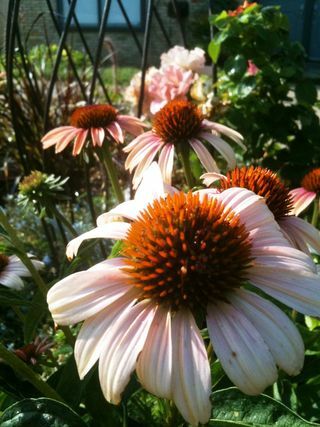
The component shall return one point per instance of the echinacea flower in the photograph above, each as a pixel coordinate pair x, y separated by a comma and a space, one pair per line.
278, 198
12, 269
179, 56
303, 196
187, 257
178, 123
96, 121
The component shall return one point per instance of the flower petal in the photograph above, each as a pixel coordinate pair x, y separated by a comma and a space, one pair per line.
151, 186
191, 371
11, 280
114, 230
116, 132
243, 353
85, 293
301, 233
204, 155
230, 133
279, 333
223, 147
295, 288
79, 142
211, 177
91, 338
63, 142
154, 367
166, 162
122, 346
97, 136
302, 198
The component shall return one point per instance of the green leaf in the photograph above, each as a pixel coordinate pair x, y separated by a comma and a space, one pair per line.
306, 92
214, 50
233, 408
35, 313
11, 297
312, 322
40, 413
116, 249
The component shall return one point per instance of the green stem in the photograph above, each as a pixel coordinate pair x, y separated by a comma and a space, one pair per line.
18, 313
315, 214
23, 369
185, 160
63, 220
105, 157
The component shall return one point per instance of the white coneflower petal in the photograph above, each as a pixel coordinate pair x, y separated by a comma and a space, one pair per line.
85, 293
204, 155
191, 380
116, 230
301, 232
279, 333
155, 364
242, 352
91, 339
123, 344
166, 157
302, 198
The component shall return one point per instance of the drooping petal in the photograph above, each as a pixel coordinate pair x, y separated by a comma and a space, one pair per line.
279, 333
191, 370
116, 132
295, 288
166, 162
114, 230
154, 367
204, 155
131, 124
56, 135
11, 280
143, 166
243, 353
139, 152
91, 338
211, 177
97, 136
122, 346
79, 142
151, 186
141, 139
223, 147
16, 266
302, 198
230, 133
85, 293
63, 142
301, 232
129, 210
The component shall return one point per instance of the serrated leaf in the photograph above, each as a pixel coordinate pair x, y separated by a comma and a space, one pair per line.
233, 408
40, 413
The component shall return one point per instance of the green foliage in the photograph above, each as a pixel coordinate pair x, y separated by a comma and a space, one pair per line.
272, 105
40, 413
233, 408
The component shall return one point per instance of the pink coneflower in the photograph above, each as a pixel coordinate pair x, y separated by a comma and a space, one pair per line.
96, 121
278, 198
303, 196
12, 269
178, 123
186, 257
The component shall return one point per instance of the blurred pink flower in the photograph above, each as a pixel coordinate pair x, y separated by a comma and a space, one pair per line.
170, 82
179, 56
303, 196
252, 69
95, 120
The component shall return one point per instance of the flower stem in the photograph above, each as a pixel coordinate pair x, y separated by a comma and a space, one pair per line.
23, 369
63, 220
106, 159
185, 160
315, 214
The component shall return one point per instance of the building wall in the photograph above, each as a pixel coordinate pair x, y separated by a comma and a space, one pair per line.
126, 50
